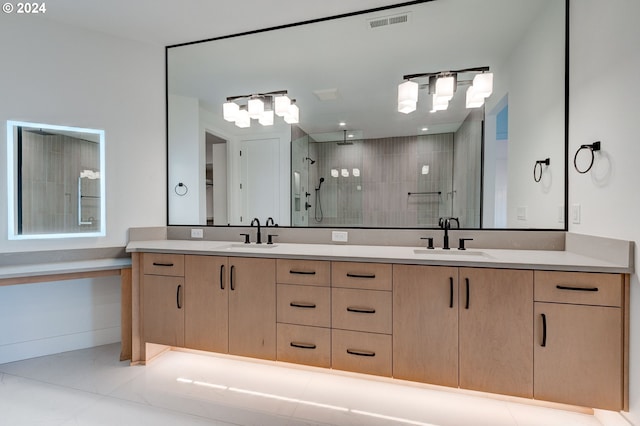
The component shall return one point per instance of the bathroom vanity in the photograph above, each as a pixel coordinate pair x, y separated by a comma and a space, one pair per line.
542, 324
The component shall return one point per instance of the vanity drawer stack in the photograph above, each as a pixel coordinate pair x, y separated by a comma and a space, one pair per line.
304, 312
361, 317
579, 338
163, 290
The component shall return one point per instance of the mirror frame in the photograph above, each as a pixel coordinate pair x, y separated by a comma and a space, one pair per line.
565, 226
12, 233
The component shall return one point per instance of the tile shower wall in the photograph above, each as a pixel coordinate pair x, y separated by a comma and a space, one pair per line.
466, 163
50, 184
390, 168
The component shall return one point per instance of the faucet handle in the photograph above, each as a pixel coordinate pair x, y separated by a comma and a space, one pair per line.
429, 241
462, 240
269, 238
246, 238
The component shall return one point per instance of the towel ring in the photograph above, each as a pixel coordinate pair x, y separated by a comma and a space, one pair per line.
538, 176
591, 147
181, 189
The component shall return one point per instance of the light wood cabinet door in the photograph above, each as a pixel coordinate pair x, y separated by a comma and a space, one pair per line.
578, 355
496, 331
206, 303
252, 307
425, 324
163, 310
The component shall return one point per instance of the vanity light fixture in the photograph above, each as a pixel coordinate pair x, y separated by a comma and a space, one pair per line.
261, 107
442, 86
344, 172
335, 173
356, 172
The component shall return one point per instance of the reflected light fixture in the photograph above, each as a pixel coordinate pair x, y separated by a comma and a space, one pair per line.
344, 172
356, 172
442, 86
335, 173
261, 107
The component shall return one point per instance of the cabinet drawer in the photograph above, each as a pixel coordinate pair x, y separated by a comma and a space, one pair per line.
303, 272
305, 305
367, 353
582, 288
371, 276
163, 264
304, 345
361, 310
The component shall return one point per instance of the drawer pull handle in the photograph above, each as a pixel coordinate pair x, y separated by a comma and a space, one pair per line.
564, 287
303, 345
231, 274
359, 352
178, 296
466, 283
221, 277
451, 292
354, 275
361, 310
162, 264
303, 305
544, 330
293, 271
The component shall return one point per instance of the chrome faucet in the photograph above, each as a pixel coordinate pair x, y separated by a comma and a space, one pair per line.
445, 223
256, 221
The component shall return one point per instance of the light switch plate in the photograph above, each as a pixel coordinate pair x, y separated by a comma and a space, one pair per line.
339, 236
575, 213
197, 233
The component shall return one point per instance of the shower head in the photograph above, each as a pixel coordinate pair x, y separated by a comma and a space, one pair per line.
320, 184
309, 160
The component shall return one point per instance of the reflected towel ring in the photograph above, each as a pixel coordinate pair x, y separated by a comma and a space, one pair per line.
181, 189
592, 147
537, 177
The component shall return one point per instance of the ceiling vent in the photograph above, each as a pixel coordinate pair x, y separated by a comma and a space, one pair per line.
385, 21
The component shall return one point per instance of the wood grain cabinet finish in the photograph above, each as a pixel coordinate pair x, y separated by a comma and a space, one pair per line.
496, 330
425, 324
163, 310
367, 276
207, 303
368, 353
303, 272
304, 345
579, 340
304, 305
361, 310
163, 264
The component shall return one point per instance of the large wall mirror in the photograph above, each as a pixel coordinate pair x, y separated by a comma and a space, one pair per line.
55, 178
349, 156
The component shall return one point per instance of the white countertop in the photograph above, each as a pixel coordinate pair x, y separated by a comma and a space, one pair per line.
32, 270
490, 258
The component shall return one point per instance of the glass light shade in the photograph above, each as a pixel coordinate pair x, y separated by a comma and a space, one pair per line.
256, 108
266, 119
425, 169
293, 115
335, 173
282, 105
243, 120
474, 100
356, 172
439, 104
344, 172
445, 87
407, 96
230, 111
483, 84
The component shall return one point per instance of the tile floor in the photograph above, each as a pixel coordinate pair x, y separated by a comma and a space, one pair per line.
91, 387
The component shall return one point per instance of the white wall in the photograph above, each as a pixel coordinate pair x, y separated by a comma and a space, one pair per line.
604, 93
63, 75
536, 122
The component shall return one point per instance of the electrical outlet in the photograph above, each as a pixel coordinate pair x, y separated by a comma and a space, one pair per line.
575, 213
197, 233
339, 236
560, 214
521, 213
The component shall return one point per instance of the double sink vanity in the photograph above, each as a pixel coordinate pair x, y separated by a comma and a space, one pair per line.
550, 325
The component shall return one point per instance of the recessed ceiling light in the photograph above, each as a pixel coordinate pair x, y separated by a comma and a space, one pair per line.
424, 129
350, 136
342, 123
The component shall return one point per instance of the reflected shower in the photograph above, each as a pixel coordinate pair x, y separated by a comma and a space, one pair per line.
311, 161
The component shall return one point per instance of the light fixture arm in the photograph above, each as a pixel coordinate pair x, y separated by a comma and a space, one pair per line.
442, 73
253, 95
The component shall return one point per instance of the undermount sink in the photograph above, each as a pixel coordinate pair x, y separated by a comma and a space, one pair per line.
251, 246
452, 252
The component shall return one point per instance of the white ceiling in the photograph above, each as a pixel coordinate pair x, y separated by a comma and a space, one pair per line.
166, 22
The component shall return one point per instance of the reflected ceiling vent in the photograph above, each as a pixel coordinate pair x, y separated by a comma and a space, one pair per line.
326, 94
385, 21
